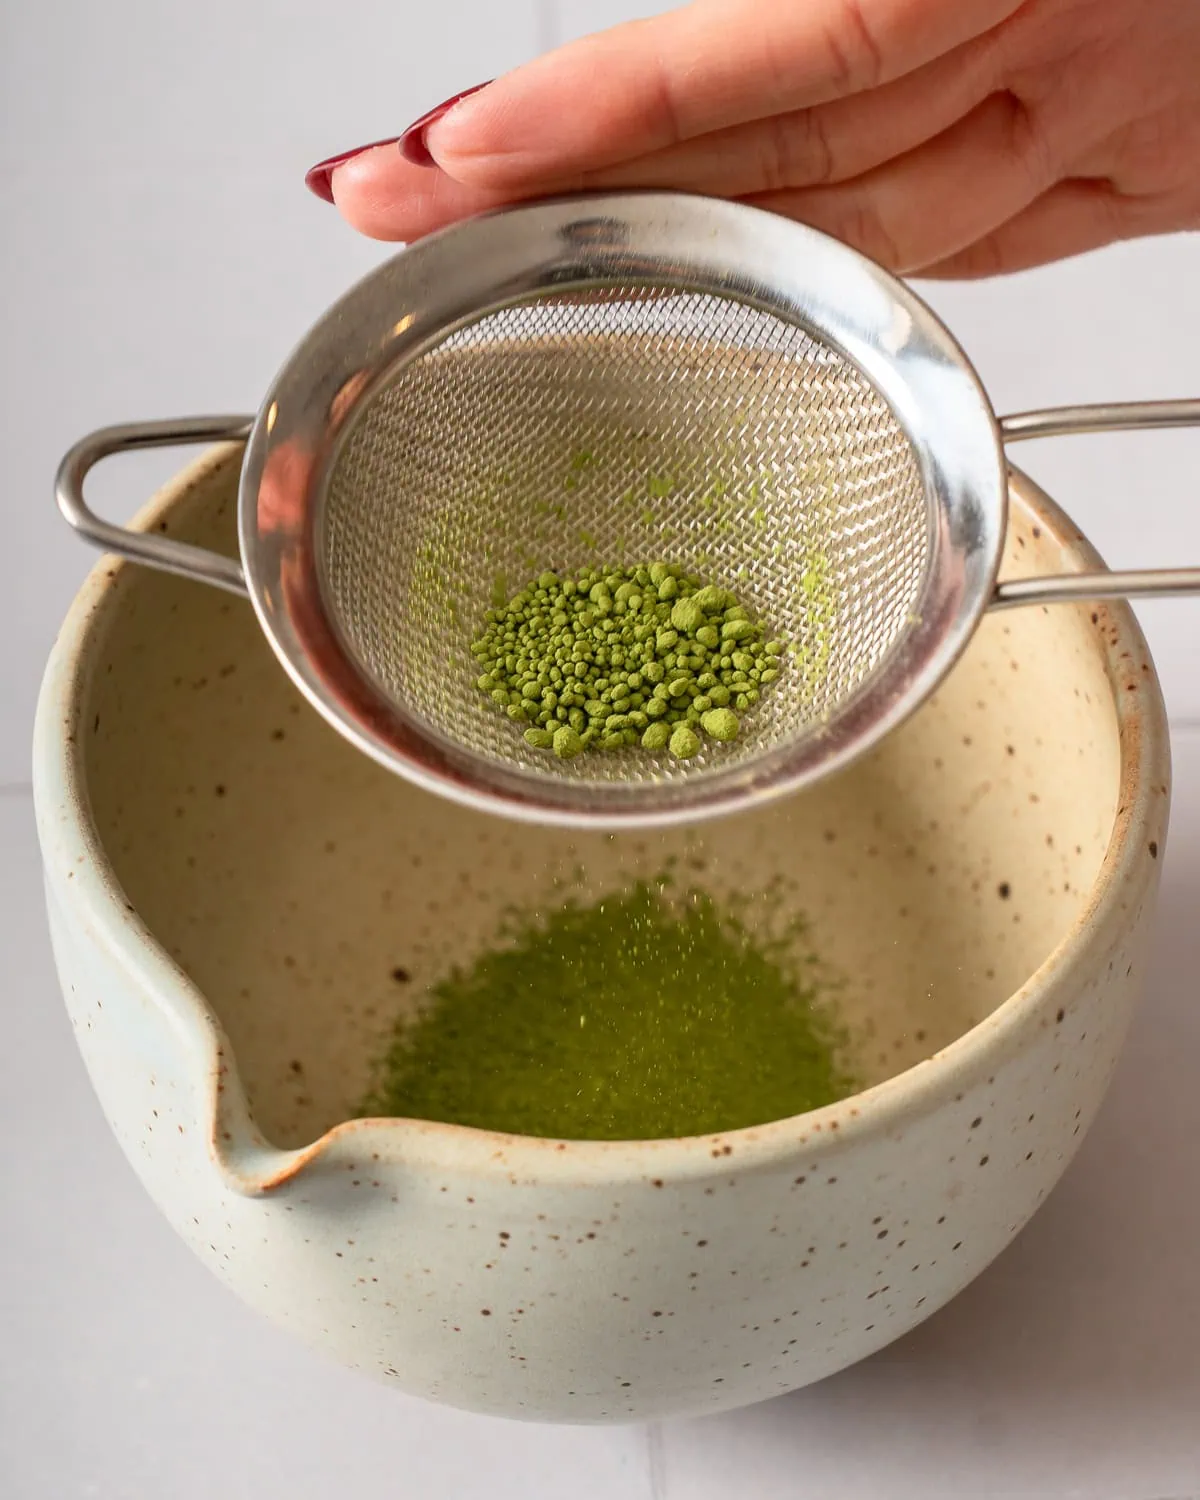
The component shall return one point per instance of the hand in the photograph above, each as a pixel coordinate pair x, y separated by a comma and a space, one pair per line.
940, 137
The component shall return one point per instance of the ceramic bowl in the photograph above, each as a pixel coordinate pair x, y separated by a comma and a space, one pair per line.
241, 905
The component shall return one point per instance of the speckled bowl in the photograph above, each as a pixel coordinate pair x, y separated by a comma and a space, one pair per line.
240, 904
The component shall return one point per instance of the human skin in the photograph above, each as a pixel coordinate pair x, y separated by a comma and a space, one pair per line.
951, 138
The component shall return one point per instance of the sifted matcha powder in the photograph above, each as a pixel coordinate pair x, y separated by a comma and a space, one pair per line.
642, 1015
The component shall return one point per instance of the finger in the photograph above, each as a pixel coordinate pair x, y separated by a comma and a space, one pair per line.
827, 143
1154, 153
651, 84
935, 201
384, 196
1071, 219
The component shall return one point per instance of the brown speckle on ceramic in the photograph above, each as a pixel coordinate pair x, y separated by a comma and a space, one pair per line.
254, 908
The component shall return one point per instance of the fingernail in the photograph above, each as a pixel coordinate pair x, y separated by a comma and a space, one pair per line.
412, 142
319, 179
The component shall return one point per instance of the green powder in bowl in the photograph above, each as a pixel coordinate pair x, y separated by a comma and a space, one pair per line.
641, 1015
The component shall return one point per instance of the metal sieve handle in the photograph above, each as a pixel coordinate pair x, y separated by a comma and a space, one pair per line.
1065, 421
147, 547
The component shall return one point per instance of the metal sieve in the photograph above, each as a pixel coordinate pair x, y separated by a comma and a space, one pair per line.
627, 379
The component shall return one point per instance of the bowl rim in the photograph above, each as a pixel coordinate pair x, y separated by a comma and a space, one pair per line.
72, 849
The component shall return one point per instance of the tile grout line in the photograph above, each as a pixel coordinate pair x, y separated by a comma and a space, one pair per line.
656, 1460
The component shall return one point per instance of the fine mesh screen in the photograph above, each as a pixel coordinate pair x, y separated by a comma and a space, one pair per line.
626, 425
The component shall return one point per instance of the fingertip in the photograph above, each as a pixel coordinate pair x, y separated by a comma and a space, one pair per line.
550, 121
412, 143
385, 197
366, 193
478, 141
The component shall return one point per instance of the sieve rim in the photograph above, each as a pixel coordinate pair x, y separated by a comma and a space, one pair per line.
677, 241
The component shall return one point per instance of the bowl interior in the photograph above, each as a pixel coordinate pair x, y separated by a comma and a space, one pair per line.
313, 897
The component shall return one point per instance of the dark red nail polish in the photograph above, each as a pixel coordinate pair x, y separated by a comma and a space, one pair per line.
412, 142
319, 179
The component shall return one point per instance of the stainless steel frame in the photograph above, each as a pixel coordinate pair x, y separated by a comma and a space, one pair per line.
499, 260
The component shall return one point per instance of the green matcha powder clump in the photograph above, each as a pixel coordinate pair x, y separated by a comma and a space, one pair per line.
639, 1016
618, 657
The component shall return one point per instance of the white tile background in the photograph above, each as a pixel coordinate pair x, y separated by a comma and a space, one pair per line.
158, 256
